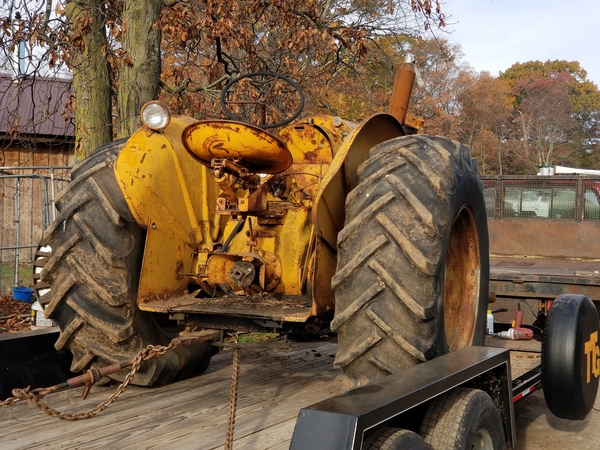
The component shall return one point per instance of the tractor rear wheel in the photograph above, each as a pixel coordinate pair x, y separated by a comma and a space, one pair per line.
90, 259
413, 265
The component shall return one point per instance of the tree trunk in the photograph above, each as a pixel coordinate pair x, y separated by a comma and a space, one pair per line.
141, 65
91, 81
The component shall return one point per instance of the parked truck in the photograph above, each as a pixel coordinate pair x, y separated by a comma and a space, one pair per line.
543, 234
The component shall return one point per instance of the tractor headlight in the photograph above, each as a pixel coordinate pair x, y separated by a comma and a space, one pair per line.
155, 115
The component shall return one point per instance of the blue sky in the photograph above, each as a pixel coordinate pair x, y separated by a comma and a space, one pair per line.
495, 34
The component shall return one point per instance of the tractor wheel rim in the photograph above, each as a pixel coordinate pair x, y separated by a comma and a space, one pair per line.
461, 285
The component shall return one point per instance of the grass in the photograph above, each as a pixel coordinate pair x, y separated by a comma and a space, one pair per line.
7, 275
256, 337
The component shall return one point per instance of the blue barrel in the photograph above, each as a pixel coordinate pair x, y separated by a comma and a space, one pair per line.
23, 294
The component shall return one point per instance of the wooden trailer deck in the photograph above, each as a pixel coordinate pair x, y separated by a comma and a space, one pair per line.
543, 278
273, 387
192, 414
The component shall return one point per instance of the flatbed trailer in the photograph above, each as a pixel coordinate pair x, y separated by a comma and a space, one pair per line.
418, 399
272, 390
342, 422
543, 278
543, 234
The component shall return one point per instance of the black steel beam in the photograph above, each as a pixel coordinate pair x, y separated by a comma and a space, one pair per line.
339, 423
30, 359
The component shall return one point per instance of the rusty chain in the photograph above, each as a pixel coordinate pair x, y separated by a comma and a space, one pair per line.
151, 351
233, 393
35, 395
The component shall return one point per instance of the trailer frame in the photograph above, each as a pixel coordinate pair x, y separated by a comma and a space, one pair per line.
341, 422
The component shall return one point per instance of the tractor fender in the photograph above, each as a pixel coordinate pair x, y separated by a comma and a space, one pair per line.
162, 181
171, 195
328, 209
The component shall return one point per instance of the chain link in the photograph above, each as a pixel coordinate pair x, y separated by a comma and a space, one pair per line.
233, 393
151, 351
35, 396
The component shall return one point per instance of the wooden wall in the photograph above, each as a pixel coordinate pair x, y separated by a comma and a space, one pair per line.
22, 204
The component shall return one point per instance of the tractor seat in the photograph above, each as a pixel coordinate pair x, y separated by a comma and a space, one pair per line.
250, 146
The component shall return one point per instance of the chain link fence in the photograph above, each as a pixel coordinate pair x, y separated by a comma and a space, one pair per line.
573, 198
27, 196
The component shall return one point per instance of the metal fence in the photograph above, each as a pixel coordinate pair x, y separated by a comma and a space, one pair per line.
572, 198
27, 196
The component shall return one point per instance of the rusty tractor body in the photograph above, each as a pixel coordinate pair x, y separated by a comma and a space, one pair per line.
190, 226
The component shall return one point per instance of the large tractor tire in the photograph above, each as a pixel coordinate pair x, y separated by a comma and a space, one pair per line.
413, 261
91, 259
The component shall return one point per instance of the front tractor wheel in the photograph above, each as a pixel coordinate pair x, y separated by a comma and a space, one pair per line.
91, 259
412, 273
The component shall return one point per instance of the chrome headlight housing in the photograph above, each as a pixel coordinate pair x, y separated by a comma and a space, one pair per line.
155, 115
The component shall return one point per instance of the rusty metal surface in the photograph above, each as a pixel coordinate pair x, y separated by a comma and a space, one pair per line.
257, 150
307, 144
544, 238
461, 286
401, 92
255, 307
544, 277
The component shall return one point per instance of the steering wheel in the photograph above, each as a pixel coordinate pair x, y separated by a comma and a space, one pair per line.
264, 99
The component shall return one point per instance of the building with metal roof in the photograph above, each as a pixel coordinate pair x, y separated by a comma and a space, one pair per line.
36, 108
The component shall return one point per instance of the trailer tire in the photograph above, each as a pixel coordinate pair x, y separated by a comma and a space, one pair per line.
570, 367
90, 260
394, 439
463, 419
413, 265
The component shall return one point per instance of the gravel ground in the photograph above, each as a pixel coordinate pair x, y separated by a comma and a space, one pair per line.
15, 315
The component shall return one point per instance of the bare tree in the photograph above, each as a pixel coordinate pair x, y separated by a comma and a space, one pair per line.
91, 79
121, 51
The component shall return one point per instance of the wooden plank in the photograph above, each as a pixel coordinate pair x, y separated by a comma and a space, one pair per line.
273, 388
192, 413
32, 194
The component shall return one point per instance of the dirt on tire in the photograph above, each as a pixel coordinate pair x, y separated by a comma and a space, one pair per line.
91, 258
412, 273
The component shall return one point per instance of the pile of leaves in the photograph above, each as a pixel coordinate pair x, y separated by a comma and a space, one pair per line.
15, 315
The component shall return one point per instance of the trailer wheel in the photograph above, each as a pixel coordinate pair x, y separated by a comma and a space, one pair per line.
394, 439
571, 357
90, 259
413, 266
463, 419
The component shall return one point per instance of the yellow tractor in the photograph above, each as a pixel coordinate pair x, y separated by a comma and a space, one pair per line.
198, 228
